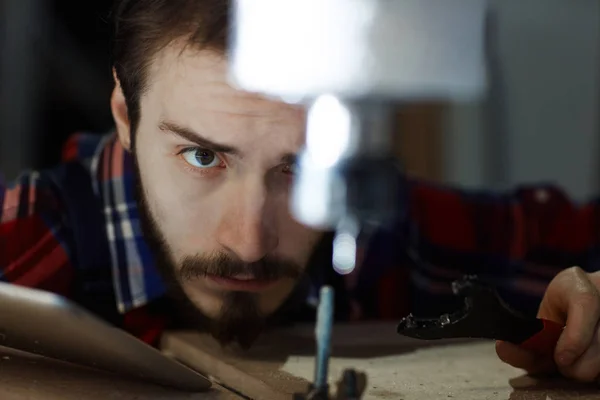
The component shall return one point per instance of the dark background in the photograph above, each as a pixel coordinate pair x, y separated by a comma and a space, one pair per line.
56, 77
82, 105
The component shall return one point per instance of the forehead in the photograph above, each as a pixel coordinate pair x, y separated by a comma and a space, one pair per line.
187, 82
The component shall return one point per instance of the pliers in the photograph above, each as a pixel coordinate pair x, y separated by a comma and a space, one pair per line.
485, 316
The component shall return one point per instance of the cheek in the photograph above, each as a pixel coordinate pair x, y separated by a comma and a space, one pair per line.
296, 240
190, 222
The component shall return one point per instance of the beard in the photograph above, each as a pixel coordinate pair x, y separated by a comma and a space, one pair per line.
240, 319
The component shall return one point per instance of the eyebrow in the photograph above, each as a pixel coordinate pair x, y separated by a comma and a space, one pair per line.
195, 137
190, 135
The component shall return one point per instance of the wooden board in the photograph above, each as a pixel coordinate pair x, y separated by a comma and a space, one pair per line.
256, 374
397, 368
26, 376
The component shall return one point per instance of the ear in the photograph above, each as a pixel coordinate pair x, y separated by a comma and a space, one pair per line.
118, 107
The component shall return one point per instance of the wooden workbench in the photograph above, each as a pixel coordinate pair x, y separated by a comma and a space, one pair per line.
282, 363
29, 377
396, 367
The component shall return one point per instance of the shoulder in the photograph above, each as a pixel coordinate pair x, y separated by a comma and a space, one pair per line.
30, 195
38, 198
35, 239
84, 147
98, 154
50, 219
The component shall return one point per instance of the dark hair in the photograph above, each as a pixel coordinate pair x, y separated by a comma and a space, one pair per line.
142, 28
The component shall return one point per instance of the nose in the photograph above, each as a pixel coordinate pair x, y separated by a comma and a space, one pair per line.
247, 227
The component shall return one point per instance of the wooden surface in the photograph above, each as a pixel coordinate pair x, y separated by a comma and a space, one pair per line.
256, 374
29, 377
396, 367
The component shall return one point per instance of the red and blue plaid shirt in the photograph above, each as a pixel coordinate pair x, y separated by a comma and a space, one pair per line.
519, 240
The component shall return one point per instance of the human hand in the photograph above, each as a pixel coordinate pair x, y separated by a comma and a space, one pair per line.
572, 299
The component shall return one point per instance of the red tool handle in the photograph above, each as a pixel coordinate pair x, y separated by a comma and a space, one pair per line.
544, 342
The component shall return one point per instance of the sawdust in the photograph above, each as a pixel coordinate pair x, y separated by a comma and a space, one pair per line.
385, 394
468, 371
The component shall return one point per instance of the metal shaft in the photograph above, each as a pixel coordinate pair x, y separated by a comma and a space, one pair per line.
323, 337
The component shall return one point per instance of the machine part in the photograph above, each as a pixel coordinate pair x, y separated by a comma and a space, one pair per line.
298, 50
485, 316
347, 176
349, 386
351, 61
345, 246
346, 172
348, 389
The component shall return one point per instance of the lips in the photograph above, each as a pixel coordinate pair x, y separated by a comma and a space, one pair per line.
242, 283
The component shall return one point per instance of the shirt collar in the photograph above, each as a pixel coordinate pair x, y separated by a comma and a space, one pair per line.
135, 276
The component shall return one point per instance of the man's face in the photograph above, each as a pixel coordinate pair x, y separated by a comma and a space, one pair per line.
215, 168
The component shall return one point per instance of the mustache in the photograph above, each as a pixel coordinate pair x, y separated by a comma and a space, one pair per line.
225, 266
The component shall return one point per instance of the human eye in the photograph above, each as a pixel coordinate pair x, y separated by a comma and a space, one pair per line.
290, 169
201, 158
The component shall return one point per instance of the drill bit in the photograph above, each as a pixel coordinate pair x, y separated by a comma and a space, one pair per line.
323, 337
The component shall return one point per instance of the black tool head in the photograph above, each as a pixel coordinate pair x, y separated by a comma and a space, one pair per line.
483, 315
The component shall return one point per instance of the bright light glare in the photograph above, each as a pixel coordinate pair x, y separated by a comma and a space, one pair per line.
328, 131
286, 47
344, 253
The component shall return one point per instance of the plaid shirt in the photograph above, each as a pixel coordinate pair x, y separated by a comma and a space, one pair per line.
518, 240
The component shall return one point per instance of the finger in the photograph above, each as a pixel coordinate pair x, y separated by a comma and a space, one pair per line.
582, 318
521, 358
587, 366
574, 294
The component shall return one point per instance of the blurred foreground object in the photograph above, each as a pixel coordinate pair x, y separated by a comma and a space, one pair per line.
350, 62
